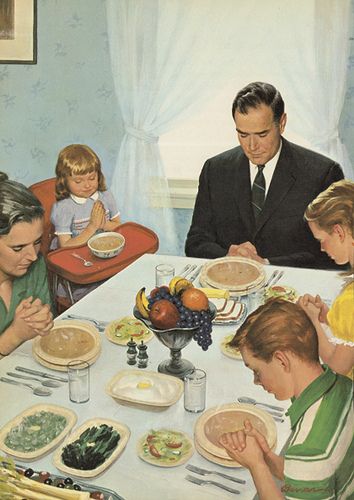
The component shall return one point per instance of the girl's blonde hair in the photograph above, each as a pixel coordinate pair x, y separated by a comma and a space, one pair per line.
76, 159
333, 206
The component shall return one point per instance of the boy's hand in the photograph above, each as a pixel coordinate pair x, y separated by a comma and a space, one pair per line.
247, 446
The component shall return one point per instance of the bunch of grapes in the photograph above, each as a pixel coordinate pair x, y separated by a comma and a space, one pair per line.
201, 320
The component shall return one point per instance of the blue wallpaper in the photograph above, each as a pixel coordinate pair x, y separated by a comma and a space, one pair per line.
68, 97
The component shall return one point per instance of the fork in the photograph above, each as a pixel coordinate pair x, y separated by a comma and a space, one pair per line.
204, 472
202, 482
195, 274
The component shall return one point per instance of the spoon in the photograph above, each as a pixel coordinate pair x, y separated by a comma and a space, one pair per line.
46, 383
87, 263
38, 391
252, 401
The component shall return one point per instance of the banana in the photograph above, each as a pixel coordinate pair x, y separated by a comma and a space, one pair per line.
142, 303
215, 293
177, 284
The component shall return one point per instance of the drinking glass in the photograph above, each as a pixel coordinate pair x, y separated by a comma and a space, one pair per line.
194, 390
79, 381
163, 274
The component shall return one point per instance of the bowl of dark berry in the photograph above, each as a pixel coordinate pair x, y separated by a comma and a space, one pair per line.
176, 314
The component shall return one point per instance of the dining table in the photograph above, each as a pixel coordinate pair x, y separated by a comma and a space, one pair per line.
227, 379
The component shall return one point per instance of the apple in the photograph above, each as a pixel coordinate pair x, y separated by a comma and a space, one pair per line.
163, 314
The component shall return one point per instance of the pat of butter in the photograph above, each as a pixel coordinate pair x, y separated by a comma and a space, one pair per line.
144, 384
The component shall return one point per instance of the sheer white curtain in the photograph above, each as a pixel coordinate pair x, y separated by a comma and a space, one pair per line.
162, 52
315, 79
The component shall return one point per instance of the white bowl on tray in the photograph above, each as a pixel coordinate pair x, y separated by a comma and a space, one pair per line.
107, 244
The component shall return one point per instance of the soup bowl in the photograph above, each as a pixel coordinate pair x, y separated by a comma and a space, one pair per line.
106, 245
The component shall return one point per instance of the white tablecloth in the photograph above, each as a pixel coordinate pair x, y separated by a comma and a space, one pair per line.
227, 379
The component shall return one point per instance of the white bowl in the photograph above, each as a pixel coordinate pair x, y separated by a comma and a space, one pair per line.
115, 244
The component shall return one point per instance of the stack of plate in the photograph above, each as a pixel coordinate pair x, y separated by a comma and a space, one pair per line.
68, 340
229, 418
239, 275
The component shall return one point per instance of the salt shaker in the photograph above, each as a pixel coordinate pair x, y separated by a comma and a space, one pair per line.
142, 356
131, 352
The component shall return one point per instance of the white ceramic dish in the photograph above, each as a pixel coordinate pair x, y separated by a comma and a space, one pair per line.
147, 389
112, 249
122, 429
16, 421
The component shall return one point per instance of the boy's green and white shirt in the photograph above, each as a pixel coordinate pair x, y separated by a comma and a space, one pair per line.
319, 462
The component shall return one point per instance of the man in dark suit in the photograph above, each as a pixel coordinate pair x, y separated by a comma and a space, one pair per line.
251, 199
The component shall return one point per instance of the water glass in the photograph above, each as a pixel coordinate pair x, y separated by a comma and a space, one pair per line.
163, 274
195, 390
255, 299
79, 381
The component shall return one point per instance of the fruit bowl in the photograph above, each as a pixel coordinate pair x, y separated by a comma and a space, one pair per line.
175, 339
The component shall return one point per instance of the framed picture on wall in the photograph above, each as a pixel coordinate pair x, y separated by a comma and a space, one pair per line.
18, 31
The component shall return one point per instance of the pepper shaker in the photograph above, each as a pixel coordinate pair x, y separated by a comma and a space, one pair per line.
142, 356
131, 352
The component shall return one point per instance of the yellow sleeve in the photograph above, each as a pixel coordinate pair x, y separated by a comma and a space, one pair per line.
341, 315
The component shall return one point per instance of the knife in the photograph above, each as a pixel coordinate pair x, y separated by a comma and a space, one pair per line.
41, 374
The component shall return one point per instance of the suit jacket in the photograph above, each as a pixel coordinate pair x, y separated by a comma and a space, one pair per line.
223, 212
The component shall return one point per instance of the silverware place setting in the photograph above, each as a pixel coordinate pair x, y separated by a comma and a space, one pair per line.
46, 382
204, 472
40, 374
85, 262
203, 482
251, 401
274, 278
38, 391
99, 324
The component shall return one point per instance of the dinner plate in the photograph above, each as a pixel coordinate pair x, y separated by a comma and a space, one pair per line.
230, 352
34, 431
123, 431
230, 418
68, 340
165, 448
61, 368
121, 330
237, 274
229, 312
216, 460
147, 389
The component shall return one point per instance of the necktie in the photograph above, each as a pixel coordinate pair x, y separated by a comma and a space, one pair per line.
258, 192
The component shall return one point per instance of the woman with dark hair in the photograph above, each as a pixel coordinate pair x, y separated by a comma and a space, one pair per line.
25, 304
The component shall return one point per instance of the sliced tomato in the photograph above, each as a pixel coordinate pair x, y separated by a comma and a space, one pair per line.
173, 444
154, 451
278, 289
138, 334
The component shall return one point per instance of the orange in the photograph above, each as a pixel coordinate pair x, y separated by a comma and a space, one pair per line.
195, 299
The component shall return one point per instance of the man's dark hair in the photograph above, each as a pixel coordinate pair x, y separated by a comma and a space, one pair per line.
255, 94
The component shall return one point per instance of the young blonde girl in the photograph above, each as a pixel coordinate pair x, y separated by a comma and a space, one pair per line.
331, 219
84, 206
